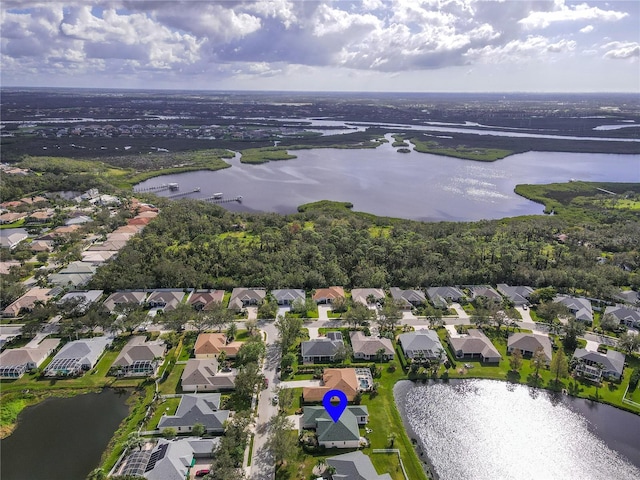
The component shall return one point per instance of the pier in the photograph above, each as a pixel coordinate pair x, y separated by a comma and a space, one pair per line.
158, 188
223, 200
184, 194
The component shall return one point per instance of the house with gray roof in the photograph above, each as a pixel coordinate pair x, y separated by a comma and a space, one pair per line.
345, 433
629, 296
75, 275
407, 299
77, 357
529, 343
474, 344
441, 296
484, 291
354, 466
588, 362
242, 297
169, 459
367, 347
123, 298
423, 344
288, 295
625, 315
202, 408
363, 295
322, 350
519, 295
202, 375
166, 300
139, 358
14, 362
81, 299
578, 306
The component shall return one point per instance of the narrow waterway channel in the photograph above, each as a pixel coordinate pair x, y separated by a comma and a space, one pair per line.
486, 429
62, 438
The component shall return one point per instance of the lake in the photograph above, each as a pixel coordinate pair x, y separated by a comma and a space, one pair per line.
62, 438
486, 429
415, 186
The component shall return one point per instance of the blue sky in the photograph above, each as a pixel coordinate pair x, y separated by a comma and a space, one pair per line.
306, 45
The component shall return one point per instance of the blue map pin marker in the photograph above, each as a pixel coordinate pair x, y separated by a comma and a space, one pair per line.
335, 411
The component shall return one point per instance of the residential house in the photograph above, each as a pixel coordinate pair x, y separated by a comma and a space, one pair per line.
518, 295
485, 291
625, 315
629, 296
203, 376
288, 296
328, 295
81, 299
5, 267
595, 365
12, 240
77, 357
41, 246
76, 274
367, 348
124, 298
139, 358
345, 433
11, 217
14, 362
78, 220
367, 296
205, 300
441, 296
354, 466
245, 297
97, 257
202, 408
578, 306
27, 301
344, 379
529, 343
169, 459
407, 299
322, 350
422, 344
166, 300
474, 344
211, 345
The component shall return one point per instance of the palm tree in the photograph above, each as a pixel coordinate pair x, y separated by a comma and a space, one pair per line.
380, 353
391, 439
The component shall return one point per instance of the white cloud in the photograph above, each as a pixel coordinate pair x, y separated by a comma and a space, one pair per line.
563, 13
587, 29
621, 50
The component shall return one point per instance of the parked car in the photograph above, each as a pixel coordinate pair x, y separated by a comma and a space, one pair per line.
203, 472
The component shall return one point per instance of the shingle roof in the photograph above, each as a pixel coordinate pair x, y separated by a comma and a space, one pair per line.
25, 355
408, 297
204, 372
530, 342
624, 314
344, 379
345, 429
289, 294
613, 361
359, 295
475, 342
519, 295
354, 466
138, 349
580, 306
124, 297
369, 345
320, 347
197, 408
426, 341
330, 293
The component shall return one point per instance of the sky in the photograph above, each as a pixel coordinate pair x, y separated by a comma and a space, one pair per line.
308, 45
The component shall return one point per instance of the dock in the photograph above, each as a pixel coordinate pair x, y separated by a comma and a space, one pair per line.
605, 191
184, 194
157, 188
223, 200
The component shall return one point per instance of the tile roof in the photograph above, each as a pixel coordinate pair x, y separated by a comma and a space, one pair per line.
344, 379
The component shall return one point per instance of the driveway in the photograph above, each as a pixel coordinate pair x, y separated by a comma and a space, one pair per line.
252, 313
300, 384
323, 311
460, 311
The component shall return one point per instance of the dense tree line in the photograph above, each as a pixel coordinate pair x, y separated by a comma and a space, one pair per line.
192, 244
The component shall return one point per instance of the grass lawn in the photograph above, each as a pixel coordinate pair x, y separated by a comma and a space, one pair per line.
171, 384
168, 406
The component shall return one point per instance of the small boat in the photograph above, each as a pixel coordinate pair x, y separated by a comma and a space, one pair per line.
217, 195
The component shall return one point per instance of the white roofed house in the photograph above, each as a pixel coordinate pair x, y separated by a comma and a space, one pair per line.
202, 375
367, 296
77, 357
139, 358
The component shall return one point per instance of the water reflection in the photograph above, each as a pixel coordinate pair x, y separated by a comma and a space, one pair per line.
482, 429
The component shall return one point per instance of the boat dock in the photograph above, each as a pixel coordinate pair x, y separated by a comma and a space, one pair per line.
158, 188
215, 199
184, 194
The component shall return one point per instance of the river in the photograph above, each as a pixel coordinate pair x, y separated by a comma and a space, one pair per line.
62, 438
416, 186
486, 429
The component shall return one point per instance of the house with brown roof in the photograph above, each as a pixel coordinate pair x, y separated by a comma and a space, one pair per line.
166, 300
367, 347
27, 301
139, 358
328, 295
211, 345
474, 344
529, 343
242, 297
126, 297
364, 295
204, 300
14, 362
344, 379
